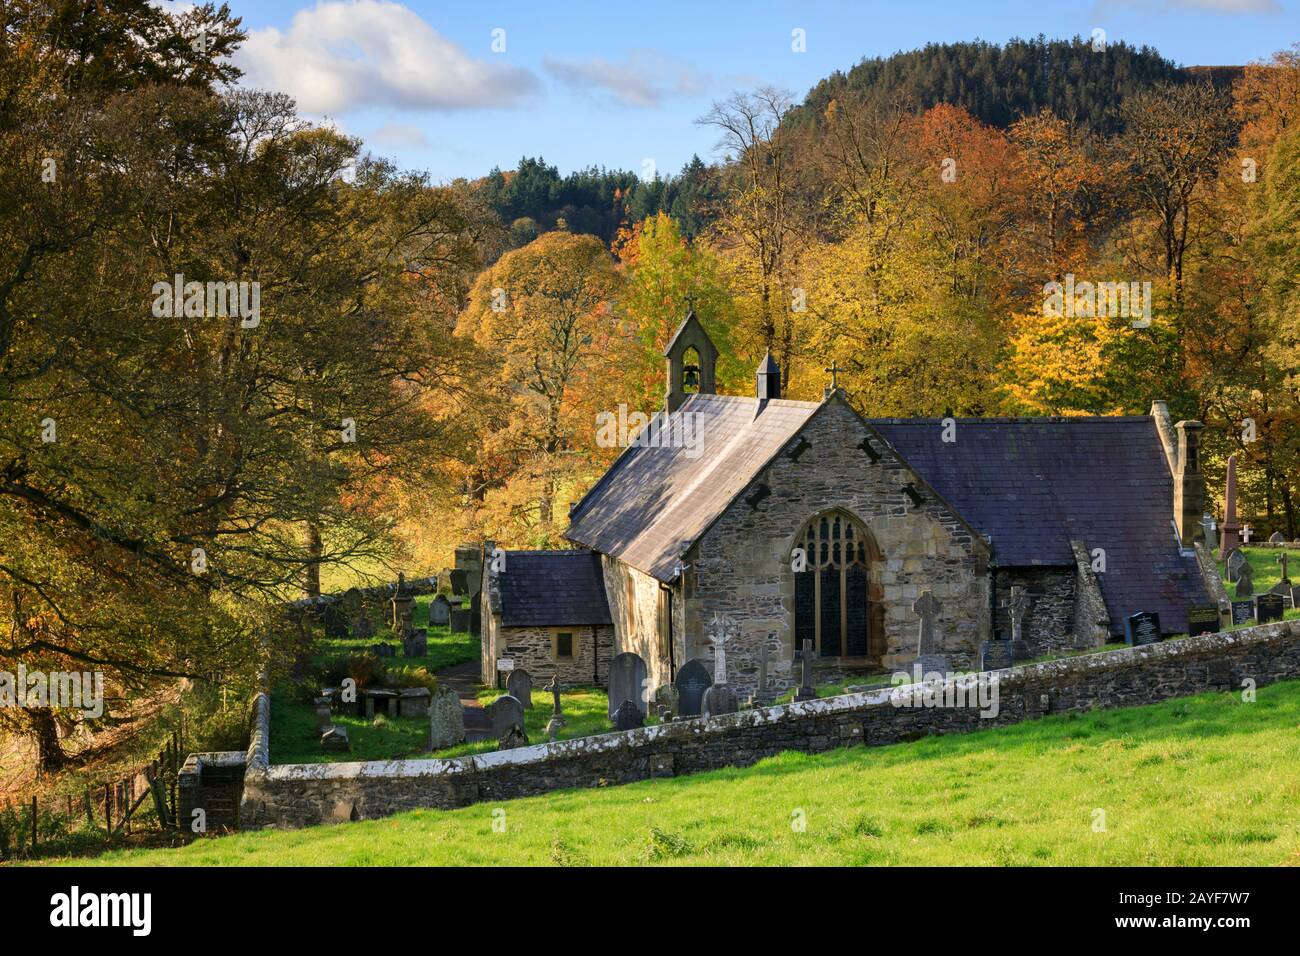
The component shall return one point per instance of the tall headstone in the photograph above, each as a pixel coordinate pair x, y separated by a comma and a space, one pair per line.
928, 658
1210, 529
1233, 565
720, 699
446, 718
519, 685
1017, 608
692, 681
1286, 577
1277, 539
440, 611
1229, 533
627, 675
459, 582
806, 656
1245, 581
506, 712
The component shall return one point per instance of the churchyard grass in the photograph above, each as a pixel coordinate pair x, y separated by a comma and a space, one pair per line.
1264, 567
585, 710
1206, 780
445, 648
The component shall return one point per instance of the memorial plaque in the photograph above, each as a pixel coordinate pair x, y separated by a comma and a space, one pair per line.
1142, 628
995, 655
1202, 619
1268, 607
1243, 612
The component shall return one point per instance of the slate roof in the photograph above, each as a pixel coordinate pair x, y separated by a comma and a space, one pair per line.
653, 503
552, 588
1035, 484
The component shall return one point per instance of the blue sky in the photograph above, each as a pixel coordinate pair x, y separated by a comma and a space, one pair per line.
619, 84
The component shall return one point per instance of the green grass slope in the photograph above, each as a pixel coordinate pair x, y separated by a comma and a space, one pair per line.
1202, 780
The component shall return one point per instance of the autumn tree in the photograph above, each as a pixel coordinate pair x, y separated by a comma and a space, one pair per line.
546, 313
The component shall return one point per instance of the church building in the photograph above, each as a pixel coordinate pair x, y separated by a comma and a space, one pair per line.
805, 521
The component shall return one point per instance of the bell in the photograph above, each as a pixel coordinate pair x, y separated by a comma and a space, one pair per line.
692, 376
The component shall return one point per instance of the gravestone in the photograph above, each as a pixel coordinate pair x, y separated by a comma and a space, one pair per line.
354, 606
1283, 590
380, 700
1284, 560
720, 699
996, 655
928, 659
806, 656
413, 702
475, 614
1210, 529
506, 712
512, 738
1235, 560
1142, 628
692, 681
1268, 607
335, 738
1243, 612
628, 716
519, 685
460, 620
554, 688
416, 643
403, 606
627, 676
459, 582
323, 716
1276, 539
761, 694
1202, 619
440, 611
1295, 597
1245, 581
1018, 607
383, 650
334, 619
665, 699
446, 719
1228, 538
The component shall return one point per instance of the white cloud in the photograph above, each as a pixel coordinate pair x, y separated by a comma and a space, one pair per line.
400, 136
644, 79
347, 54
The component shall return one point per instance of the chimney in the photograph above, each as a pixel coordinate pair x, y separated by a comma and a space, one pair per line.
1189, 484
769, 378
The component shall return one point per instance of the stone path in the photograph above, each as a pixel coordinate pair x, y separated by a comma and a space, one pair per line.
463, 679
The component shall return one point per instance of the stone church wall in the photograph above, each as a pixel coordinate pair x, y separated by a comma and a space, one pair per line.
742, 564
531, 650
634, 604
1048, 624
306, 794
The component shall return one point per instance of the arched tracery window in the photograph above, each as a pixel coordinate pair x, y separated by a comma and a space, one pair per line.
833, 606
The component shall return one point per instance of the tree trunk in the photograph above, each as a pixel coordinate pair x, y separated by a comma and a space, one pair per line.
315, 548
49, 752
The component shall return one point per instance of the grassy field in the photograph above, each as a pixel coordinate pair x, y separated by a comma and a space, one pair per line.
1202, 780
1264, 567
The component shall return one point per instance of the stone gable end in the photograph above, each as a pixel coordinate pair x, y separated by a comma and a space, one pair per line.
741, 565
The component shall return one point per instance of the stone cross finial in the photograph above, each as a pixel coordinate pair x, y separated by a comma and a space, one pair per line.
926, 606
721, 632
690, 302
835, 370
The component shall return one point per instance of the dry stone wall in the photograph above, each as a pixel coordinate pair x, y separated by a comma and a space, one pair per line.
301, 795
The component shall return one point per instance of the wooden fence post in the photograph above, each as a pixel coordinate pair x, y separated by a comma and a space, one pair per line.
108, 808
33, 824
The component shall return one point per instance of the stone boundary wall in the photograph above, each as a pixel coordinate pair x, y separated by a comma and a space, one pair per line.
306, 794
